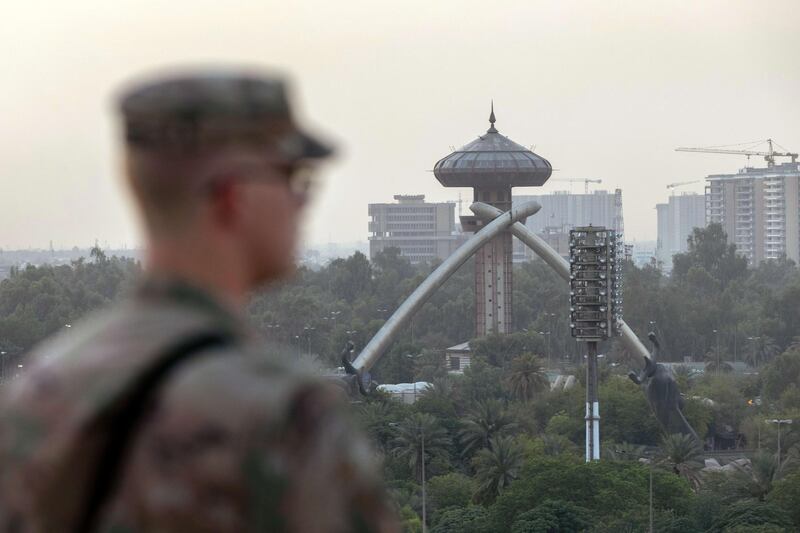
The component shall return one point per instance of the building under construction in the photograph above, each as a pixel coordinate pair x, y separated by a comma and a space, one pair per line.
759, 208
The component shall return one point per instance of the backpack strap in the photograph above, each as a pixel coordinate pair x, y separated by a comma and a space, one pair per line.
124, 417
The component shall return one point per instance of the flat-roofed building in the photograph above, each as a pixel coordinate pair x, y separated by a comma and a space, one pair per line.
422, 231
676, 221
759, 209
561, 211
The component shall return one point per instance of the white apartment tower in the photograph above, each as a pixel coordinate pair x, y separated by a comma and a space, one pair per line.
676, 220
561, 211
759, 209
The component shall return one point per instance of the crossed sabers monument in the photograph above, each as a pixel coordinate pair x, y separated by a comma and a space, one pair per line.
492, 164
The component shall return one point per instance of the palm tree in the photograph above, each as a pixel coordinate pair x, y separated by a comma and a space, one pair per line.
682, 453
496, 468
683, 374
416, 432
624, 452
440, 392
556, 444
764, 472
764, 349
374, 419
715, 364
487, 420
527, 377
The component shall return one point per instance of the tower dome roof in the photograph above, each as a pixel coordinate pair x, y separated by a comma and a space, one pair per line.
492, 160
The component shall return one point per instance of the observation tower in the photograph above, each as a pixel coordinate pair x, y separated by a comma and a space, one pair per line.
492, 164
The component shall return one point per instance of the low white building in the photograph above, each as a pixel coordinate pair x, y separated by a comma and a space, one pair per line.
405, 392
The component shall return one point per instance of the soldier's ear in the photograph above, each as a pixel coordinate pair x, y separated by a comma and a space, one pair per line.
225, 203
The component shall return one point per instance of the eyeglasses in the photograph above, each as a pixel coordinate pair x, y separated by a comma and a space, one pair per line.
299, 177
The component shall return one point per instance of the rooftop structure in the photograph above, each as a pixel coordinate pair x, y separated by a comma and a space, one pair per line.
492, 164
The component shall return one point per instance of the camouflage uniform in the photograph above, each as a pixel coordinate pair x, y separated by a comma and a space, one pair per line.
235, 438
236, 441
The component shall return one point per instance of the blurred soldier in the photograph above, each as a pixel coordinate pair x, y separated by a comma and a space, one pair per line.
165, 414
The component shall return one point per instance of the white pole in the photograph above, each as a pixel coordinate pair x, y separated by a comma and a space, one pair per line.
424, 509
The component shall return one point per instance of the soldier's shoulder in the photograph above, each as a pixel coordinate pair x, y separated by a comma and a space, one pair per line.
95, 360
248, 380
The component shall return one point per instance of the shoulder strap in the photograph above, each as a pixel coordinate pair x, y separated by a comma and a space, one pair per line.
122, 421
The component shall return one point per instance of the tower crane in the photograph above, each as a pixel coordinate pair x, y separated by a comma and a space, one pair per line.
680, 184
586, 182
769, 156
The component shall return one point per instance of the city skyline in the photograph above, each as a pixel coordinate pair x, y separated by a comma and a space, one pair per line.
601, 93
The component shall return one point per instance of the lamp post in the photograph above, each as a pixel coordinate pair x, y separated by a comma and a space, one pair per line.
651, 496
272, 330
780, 423
753, 340
719, 361
424, 507
595, 299
330, 318
3, 363
308, 330
550, 328
547, 335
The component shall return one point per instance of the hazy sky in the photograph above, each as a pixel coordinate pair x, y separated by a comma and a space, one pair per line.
602, 89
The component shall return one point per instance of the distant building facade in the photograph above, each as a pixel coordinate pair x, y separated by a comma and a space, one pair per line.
561, 211
458, 358
642, 253
759, 209
422, 231
676, 220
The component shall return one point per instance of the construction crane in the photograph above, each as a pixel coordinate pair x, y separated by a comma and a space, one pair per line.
680, 184
586, 182
769, 156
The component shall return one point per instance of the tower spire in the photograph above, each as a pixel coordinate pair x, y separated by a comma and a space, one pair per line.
492, 120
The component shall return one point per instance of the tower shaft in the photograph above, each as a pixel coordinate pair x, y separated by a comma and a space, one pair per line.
494, 271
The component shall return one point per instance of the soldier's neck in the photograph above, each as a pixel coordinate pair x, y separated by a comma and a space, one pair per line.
221, 274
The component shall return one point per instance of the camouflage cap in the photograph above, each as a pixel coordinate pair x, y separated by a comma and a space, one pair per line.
202, 109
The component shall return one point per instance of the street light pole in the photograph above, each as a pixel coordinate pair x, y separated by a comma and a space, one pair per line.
546, 334
753, 341
651, 497
719, 362
424, 506
780, 423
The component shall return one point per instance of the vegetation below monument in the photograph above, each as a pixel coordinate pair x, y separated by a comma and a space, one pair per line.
502, 451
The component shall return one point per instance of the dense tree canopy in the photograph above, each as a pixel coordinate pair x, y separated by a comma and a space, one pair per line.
503, 452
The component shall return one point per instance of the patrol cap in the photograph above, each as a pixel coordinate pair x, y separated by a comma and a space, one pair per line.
203, 109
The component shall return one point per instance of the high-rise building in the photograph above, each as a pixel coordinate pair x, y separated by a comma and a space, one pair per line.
759, 209
676, 220
492, 164
422, 231
561, 211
